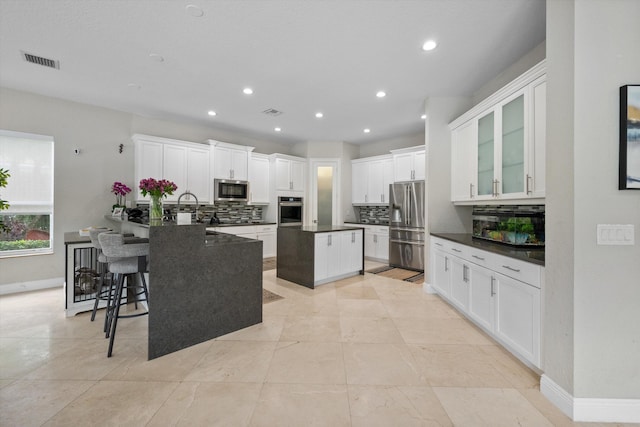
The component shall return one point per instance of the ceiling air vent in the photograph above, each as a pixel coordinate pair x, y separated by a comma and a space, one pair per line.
46, 62
272, 112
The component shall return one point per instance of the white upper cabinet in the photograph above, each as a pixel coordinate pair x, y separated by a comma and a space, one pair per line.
148, 161
370, 179
409, 164
497, 148
289, 173
230, 161
259, 179
182, 162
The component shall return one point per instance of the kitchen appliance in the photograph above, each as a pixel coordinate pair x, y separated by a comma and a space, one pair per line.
228, 190
406, 225
290, 211
512, 225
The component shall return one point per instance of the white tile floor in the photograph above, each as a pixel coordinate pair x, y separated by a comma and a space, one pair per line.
365, 351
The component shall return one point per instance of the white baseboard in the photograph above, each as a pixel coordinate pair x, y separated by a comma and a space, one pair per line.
428, 289
589, 409
14, 288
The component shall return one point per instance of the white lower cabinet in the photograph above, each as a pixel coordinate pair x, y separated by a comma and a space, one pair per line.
518, 316
376, 243
337, 255
499, 294
266, 233
459, 295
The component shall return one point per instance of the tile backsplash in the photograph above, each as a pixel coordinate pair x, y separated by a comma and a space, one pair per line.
227, 212
372, 214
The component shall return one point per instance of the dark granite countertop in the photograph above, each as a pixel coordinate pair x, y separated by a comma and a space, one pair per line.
73, 237
382, 224
532, 255
219, 238
323, 228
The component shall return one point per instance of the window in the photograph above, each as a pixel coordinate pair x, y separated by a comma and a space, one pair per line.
28, 223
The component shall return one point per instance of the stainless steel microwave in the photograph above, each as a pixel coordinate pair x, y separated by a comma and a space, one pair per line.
229, 190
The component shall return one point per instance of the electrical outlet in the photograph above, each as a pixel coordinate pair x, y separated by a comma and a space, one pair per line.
615, 234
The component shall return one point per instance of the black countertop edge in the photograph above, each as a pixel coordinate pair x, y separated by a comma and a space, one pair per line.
532, 255
321, 228
380, 224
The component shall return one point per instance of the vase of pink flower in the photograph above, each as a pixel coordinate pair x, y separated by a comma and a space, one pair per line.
157, 190
120, 190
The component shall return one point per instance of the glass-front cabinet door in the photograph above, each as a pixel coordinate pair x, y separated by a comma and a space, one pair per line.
486, 142
513, 146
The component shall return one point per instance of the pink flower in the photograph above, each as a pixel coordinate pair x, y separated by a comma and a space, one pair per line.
120, 189
157, 188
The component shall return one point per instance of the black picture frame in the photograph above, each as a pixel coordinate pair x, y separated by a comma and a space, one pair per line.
629, 170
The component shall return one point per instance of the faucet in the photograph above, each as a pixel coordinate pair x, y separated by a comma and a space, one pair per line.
190, 194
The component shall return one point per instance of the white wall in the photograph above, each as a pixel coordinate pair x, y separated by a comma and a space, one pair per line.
607, 278
592, 344
383, 146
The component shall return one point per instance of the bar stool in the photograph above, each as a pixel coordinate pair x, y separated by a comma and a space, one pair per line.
105, 290
126, 266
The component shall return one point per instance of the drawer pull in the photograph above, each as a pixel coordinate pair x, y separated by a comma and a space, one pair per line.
478, 257
510, 268
455, 250
438, 244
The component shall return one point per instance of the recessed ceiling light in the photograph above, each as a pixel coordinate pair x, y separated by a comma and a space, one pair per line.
424, 116
319, 115
247, 91
134, 86
429, 45
277, 129
367, 130
156, 57
381, 94
212, 113
194, 11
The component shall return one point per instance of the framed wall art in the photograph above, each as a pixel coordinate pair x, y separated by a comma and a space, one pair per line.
629, 174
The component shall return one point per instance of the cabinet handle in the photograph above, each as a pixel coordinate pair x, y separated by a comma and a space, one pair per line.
438, 244
329, 240
366, 198
470, 190
478, 257
528, 188
353, 237
465, 274
382, 198
497, 184
290, 185
375, 238
510, 268
493, 280
446, 264
456, 250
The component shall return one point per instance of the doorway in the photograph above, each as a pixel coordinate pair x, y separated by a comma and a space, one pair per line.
325, 192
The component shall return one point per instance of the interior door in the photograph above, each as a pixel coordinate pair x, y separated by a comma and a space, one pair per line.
325, 192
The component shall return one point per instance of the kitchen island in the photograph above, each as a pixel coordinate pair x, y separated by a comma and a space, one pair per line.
202, 284
315, 255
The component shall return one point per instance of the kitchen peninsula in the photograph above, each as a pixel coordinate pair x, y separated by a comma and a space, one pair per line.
202, 284
315, 255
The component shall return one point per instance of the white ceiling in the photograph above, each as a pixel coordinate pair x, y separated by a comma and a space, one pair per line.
299, 56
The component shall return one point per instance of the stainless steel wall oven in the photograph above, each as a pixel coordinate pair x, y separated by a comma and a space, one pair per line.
290, 211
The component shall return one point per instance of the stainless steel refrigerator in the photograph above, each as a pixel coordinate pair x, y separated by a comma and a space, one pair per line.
406, 225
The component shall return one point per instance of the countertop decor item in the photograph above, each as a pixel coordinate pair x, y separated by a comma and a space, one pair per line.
157, 190
120, 190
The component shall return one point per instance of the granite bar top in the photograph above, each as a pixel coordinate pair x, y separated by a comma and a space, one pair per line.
73, 237
323, 228
382, 224
532, 255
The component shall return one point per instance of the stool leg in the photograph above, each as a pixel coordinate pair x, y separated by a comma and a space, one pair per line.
109, 298
144, 288
114, 321
98, 294
111, 304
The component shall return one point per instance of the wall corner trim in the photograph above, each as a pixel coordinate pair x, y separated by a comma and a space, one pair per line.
590, 409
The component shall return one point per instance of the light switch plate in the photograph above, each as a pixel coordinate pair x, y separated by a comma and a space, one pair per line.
616, 234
